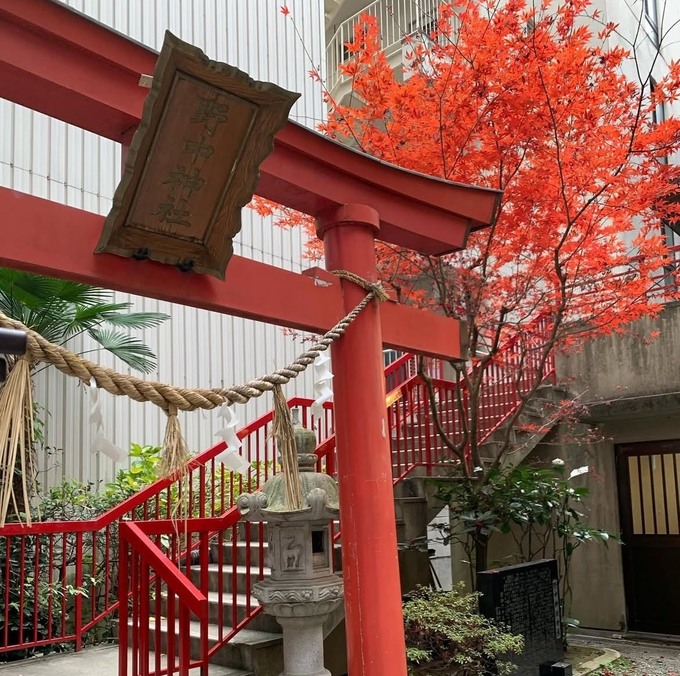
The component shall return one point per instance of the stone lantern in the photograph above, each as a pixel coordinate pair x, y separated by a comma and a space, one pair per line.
302, 590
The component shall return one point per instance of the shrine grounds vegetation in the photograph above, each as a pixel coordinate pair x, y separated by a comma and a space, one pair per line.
445, 634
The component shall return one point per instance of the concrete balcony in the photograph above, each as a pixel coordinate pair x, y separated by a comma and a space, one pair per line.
397, 19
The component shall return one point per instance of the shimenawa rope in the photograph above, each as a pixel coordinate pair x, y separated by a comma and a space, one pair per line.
186, 399
167, 397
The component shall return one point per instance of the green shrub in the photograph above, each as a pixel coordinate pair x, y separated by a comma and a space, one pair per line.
143, 470
445, 634
37, 606
539, 508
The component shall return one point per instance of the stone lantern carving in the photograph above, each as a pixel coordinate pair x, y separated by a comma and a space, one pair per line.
302, 590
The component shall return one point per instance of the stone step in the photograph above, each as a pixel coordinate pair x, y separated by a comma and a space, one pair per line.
222, 608
257, 652
444, 466
213, 669
252, 532
244, 551
223, 577
414, 441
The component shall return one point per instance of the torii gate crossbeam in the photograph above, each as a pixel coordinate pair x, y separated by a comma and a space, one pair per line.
59, 62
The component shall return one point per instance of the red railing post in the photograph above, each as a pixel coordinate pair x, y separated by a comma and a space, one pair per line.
133, 628
144, 625
123, 593
330, 462
184, 640
429, 431
78, 611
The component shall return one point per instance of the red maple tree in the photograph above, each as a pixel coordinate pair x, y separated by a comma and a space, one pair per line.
528, 100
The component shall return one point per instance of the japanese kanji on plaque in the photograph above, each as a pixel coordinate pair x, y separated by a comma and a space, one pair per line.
193, 163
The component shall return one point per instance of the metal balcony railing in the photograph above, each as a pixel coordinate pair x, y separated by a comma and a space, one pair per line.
397, 19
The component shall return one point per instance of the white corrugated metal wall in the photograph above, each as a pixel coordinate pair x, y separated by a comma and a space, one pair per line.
48, 158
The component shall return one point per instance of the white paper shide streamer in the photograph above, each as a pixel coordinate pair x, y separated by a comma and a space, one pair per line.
100, 444
230, 456
322, 384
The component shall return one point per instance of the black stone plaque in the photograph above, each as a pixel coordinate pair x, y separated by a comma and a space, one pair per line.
526, 599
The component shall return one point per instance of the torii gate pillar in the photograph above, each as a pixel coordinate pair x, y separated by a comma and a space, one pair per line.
375, 633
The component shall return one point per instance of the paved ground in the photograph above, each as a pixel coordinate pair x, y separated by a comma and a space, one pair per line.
102, 661
641, 659
92, 662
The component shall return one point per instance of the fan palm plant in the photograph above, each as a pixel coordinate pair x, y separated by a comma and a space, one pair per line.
60, 311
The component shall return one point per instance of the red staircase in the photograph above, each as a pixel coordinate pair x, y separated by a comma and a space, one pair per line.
192, 578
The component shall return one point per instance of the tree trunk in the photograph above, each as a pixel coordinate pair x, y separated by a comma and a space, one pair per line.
481, 553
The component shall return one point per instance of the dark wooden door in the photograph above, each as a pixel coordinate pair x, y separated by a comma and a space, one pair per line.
649, 495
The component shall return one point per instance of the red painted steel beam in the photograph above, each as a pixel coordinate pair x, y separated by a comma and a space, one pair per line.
62, 64
53, 239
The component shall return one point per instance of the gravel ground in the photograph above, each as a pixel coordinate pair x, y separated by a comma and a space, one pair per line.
648, 659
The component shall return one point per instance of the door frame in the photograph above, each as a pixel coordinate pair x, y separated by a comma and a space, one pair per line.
622, 451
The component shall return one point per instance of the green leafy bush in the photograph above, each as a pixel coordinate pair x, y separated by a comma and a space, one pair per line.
539, 508
445, 634
44, 597
143, 470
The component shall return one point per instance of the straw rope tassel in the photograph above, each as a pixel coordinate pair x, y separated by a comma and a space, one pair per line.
16, 436
175, 454
285, 437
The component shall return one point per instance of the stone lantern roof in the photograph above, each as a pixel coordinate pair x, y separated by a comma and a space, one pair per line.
319, 491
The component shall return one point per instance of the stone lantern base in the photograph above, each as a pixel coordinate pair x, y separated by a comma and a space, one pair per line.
303, 645
301, 609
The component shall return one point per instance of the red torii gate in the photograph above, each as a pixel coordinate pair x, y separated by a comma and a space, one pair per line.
61, 63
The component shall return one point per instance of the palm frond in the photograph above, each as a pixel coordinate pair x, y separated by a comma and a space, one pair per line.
77, 293
135, 320
83, 317
60, 309
127, 348
31, 290
45, 304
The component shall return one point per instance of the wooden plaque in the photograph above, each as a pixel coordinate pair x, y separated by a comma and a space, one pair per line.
193, 162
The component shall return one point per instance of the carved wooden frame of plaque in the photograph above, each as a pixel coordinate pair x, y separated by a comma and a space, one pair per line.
193, 162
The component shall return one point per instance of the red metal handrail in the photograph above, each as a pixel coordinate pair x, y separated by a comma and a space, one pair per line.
66, 570
500, 398
215, 531
144, 555
505, 390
